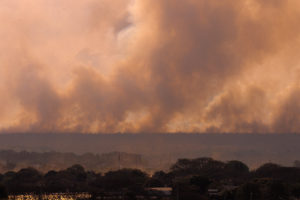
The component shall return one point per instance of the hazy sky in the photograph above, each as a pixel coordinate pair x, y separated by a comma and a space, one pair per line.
150, 66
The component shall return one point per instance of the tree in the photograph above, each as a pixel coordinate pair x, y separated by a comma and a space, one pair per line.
236, 171
236, 167
201, 182
72, 179
189, 188
3, 192
77, 172
295, 191
277, 191
53, 182
267, 170
249, 191
160, 179
129, 179
201, 166
25, 180
1, 177
274, 171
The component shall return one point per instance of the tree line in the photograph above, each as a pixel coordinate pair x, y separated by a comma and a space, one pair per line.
201, 178
44, 161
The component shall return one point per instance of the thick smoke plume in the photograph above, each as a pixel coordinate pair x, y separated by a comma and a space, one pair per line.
102, 66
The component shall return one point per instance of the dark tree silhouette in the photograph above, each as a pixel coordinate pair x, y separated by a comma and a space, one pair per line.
189, 179
3, 192
236, 167
160, 179
295, 191
201, 182
25, 180
188, 188
72, 179
201, 166
249, 191
131, 179
236, 172
277, 190
274, 171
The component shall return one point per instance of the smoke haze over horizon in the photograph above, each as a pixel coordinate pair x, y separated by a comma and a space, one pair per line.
101, 66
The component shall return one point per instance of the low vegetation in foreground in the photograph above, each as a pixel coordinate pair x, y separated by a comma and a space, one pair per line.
187, 179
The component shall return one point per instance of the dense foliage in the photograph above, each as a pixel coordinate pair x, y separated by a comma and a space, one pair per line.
190, 179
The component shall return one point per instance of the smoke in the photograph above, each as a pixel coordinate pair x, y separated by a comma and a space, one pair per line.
100, 66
